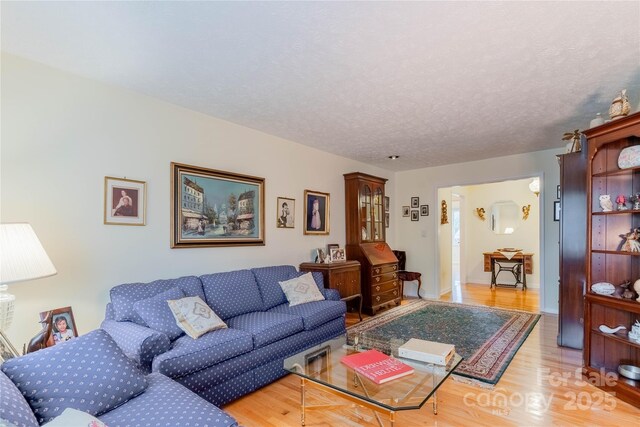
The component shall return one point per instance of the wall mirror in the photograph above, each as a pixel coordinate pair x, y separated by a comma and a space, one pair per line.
504, 217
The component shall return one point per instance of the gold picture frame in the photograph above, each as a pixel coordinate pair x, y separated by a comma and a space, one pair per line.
125, 201
316, 212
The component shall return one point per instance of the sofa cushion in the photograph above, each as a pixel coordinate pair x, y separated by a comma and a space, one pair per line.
195, 317
124, 296
266, 327
157, 314
268, 279
14, 409
232, 293
189, 355
315, 313
166, 403
89, 373
301, 290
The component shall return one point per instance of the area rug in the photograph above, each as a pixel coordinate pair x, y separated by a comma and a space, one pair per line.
486, 337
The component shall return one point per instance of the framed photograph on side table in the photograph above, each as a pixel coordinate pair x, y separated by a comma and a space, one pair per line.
316, 212
125, 201
337, 255
63, 325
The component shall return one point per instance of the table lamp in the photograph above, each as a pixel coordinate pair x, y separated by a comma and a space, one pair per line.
22, 258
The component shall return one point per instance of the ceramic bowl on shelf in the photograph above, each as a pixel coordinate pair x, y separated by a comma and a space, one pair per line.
629, 371
603, 288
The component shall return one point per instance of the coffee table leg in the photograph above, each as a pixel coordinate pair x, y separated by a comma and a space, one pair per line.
302, 389
435, 403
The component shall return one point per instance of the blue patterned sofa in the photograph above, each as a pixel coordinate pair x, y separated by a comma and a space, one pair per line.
93, 375
225, 364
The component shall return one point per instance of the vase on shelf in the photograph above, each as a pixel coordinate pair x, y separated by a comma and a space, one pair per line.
620, 106
597, 121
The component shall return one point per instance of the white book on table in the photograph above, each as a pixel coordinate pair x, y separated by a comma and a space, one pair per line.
427, 351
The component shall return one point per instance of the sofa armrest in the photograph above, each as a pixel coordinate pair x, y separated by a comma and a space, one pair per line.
109, 313
331, 294
139, 343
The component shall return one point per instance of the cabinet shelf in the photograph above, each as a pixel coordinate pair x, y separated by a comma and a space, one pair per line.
628, 171
613, 302
618, 338
627, 212
603, 251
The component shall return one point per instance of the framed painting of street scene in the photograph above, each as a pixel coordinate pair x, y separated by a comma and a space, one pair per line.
124, 201
215, 208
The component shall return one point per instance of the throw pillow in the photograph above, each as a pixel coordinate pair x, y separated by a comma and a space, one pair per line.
195, 317
89, 373
73, 417
301, 289
157, 315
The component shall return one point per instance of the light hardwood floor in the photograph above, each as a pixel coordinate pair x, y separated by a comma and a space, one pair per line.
541, 387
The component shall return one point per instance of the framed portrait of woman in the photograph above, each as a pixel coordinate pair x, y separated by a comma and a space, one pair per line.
316, 212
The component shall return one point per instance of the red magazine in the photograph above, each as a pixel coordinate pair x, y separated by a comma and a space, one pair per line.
377, 366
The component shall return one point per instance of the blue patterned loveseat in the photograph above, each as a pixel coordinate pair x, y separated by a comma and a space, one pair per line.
93, 375
225, 364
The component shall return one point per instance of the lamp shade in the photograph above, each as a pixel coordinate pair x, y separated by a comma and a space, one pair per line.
22, 257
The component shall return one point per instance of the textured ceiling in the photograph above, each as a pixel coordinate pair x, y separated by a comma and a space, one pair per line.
434, 82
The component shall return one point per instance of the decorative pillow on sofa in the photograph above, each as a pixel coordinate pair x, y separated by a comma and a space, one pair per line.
301, 289
73, 417
157, 315
89, 373
195, 317
14, 409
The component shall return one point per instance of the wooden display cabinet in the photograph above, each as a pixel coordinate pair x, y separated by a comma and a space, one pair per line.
364, 204
341, 276
603, 353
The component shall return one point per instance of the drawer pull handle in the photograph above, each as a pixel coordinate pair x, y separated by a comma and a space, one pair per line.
395, 292
377, 279
395, 275
378, 288
378, 298
395, 267
377, 270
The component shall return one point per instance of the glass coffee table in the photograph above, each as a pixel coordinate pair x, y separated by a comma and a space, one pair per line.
320, 367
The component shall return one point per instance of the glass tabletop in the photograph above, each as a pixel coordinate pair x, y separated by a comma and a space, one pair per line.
321, 364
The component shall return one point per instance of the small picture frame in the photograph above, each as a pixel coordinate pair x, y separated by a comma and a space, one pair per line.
387, 202
386, 220
424, 210
415, 202
332, 246
320, 256
316, 212
7, 350
337, 255
556, 210
558, 192
286, 213
125, 201
405, 211
415, 215
63, 326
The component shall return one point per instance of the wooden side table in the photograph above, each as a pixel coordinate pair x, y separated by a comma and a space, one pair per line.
343, 276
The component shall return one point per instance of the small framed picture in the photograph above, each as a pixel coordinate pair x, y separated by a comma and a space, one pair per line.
63, 327
558, 192
320, 256
387, 202
316, 212
405, 211
386, 219
7, 350
424, 210
337, 255
415, 202
125, 201
556, 210
415, 215
332, 246
286, 212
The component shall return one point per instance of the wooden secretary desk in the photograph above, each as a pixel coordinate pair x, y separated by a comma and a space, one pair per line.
364, 204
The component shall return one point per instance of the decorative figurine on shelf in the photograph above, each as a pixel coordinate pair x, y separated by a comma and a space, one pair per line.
635, 199
622, 202
636, 286
626, 292
631, 244
619, 106
575, 137
634, 333
605, 203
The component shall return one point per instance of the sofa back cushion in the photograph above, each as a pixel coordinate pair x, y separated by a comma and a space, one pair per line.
232, 293
89, 373
14, 409
157, 314
268, 279
123, 297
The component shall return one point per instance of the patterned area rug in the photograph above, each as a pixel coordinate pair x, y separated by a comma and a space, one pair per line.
486, 337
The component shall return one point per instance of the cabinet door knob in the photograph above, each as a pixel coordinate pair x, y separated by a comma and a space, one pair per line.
395, 275
378, 288
378, 298
395, 267
395, 292
377, 270
377, 279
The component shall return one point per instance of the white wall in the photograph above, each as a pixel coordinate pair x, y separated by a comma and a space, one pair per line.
62, 134
419, 239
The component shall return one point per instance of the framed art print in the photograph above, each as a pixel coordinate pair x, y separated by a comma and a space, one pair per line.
415, 202
387, 202
424, 210
124, 201
337, 255
556, 210
316, 212
415, 215
286, 212
215, 208
405, 211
